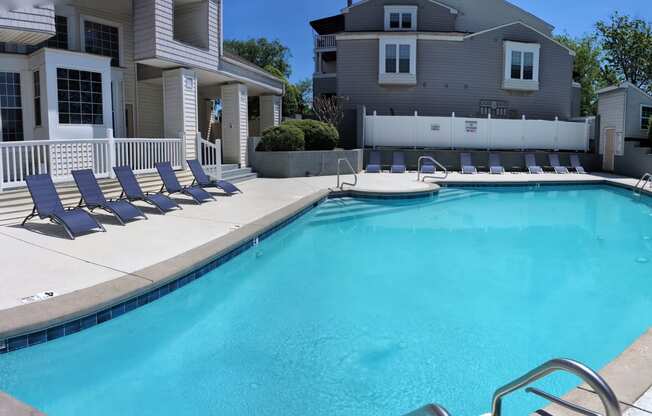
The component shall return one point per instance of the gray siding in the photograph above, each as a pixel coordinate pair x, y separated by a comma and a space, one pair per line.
191, 25
635, 99
154, 35
324, 86
29, 25
370, 17
478, 15
455, 76
611, 109
576, 101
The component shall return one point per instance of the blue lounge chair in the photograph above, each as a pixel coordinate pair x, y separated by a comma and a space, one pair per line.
495, 166
204, 181
554, 162
133, 192
398, 163
172, 186
428, 166
577, 165
92, 198
468, 168
374, 165
47, 205
531, 164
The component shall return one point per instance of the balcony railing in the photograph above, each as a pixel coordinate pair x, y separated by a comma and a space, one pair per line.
325, 42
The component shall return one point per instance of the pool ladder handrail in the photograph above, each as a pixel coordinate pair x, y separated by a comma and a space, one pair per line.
433, 160
593, 379
355, 174
645, 179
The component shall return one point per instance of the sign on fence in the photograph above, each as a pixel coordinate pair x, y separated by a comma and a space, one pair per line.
475, 133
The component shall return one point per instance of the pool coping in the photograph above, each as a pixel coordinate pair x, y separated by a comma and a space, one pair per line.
38, 318
12, 407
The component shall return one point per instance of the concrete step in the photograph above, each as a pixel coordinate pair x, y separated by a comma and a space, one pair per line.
230, 167
243, 178
16, 204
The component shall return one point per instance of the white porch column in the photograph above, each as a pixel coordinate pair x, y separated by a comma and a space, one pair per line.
180, 107
270, 111
235, 123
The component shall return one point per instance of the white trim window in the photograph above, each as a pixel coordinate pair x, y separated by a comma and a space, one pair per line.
646, 116
398, 60
521, 66
400, 18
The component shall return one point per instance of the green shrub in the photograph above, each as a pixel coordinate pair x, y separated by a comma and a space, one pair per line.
283, 138
318, 135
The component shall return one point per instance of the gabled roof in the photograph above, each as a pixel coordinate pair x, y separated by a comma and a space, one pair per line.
451, 9
553, 40
623, 86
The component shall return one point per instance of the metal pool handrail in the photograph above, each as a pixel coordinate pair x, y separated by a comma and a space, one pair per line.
593, 379
355, 175
645, 179
430, 410
421, 159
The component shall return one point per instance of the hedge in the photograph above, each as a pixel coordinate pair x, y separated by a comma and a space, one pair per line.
318, 135
283, 138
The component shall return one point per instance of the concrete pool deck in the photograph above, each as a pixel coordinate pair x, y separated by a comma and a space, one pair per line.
99, 269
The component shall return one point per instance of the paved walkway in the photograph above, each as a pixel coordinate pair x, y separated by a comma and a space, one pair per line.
40, 258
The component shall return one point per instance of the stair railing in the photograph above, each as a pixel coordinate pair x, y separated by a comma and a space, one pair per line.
642, 183
340, 184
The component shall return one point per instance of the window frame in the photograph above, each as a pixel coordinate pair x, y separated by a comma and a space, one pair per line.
649, 118
81, 102
38, 114
16, 109
401, 11
522, 49
397, 77
105, 22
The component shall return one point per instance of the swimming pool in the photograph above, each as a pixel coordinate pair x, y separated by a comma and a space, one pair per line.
372, 307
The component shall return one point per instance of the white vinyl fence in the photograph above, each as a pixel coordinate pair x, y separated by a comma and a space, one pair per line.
474, 133
60, 157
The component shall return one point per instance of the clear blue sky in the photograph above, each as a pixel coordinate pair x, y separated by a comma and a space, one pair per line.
287, 20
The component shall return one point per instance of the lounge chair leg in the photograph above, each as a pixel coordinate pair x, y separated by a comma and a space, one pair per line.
117, 217
63, 224
29, 217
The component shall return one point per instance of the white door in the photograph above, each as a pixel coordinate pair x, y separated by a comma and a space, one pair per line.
609, 150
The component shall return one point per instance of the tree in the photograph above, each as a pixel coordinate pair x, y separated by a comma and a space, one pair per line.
330, 109
304, 90
587, 70
627, 46
290, 105
263, 53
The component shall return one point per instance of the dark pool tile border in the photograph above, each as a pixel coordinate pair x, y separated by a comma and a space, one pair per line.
72, 327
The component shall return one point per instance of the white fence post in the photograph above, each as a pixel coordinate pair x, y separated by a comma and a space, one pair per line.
556, 146
182, 135
523, 130
416, 128
489, 131
373, 142
453, 131
587, 135
111, 162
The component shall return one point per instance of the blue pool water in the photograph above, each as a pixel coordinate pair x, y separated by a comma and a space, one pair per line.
372, 307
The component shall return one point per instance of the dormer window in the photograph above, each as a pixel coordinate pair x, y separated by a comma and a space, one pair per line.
400, 18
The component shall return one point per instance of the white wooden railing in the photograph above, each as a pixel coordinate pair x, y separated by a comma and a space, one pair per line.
210, 156
325, 42
143, 154
60, 157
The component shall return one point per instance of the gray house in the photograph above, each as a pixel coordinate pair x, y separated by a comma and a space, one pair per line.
625, 112
471, 58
